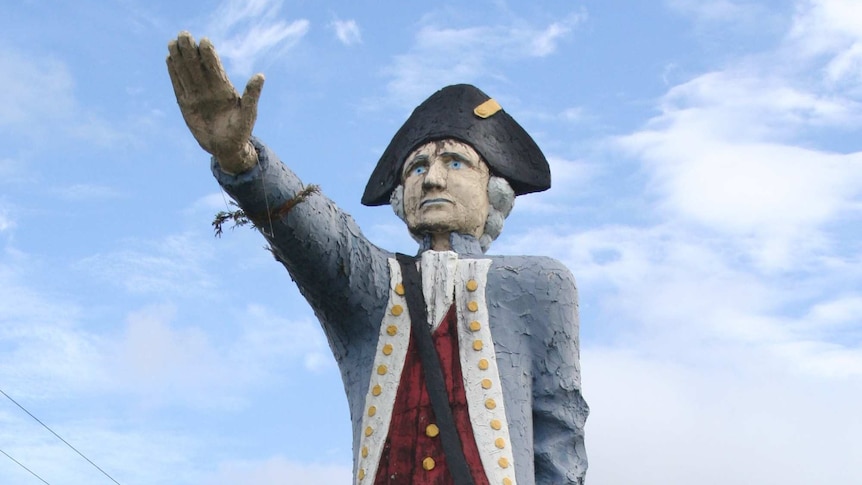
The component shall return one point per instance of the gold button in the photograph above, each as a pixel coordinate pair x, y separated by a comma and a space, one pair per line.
477, 345
472, 285
500, 443
392, 330
364, 452
473, 306
399, 289
496, 424
369, 431
376, 390
397, 310
372, 410
507, 481
387, 349
490, 403
381, 370
428, 464
432, 430
475, 326
503, 462
486, 383
361, 473
483, 364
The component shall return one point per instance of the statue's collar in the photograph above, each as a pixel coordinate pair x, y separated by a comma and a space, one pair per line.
462, 244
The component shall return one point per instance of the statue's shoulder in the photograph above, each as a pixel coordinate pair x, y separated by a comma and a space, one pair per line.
548, 280
530, 267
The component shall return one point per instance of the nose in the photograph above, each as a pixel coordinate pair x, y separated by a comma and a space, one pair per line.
436, 176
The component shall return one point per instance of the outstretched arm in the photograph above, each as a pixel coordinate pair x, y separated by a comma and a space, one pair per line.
219, 118
342, 275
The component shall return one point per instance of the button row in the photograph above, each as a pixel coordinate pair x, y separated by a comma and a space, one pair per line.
486, 383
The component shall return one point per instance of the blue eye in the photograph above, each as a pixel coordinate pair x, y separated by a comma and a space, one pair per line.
419, 170
455, 164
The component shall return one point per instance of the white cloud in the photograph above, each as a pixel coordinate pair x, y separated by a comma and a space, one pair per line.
210, 204
280, 470
840, 312
572, 114
846, 66
171, 267
829, 31
245, 31
672, 423
347, 31
164, 361
6, 221
155, 356
156, 359
545, 42
719, 156
119, 448
827, 25
12, 170
33, 89
37, 99
269, 343
46, 354
569, 180
88, 192
445, 55
714, 10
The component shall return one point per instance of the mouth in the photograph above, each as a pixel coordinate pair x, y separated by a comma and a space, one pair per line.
435, 201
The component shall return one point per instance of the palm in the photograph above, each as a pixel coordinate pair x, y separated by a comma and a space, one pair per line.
219, 118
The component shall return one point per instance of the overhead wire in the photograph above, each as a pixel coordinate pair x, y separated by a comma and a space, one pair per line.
59, 437
24, 467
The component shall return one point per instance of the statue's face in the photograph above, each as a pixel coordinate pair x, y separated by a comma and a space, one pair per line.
445, 189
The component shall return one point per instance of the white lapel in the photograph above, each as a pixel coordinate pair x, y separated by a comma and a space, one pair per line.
444, 276
482, 382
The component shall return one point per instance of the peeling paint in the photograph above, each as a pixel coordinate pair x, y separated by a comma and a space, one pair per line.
531, 312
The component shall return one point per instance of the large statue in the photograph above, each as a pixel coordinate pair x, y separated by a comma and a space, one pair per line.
463, 373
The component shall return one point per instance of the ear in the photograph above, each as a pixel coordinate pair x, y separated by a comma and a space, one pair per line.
396, 200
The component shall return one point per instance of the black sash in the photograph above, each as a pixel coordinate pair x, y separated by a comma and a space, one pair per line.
433, 372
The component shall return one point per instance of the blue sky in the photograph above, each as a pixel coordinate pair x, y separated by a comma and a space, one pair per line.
707, 194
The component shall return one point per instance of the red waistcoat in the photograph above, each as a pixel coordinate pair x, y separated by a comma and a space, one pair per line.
413, 453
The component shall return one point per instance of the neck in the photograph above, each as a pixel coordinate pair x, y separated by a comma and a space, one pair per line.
440, 241
460, 243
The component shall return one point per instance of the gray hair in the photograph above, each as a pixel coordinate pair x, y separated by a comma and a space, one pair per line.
501, 199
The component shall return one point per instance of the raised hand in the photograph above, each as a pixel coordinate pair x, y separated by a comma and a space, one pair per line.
220, 120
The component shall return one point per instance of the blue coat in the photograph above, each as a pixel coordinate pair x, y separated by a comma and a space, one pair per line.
531, 310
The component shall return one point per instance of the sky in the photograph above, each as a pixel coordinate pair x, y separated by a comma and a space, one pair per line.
707, 196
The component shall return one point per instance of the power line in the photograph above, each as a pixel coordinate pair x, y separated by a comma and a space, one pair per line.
24, 467
58, 437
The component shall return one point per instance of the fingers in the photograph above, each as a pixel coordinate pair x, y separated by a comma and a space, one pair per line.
253, 88
179, 90
250, 97
212, 68
180, 68
191, 58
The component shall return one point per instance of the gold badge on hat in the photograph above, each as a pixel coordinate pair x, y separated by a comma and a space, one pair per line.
487, 109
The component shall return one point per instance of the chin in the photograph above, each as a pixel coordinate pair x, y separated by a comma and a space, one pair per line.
432, 227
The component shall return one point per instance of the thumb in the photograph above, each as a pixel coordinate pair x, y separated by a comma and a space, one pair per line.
250, 97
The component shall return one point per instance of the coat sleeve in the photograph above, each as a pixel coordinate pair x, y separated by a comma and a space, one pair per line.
336, 268
559, 409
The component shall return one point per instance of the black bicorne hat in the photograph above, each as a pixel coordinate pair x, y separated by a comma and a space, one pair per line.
463, 112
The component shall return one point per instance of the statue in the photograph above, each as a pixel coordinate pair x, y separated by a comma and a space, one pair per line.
459, 368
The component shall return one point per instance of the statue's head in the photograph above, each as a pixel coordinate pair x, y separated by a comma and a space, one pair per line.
456, 165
